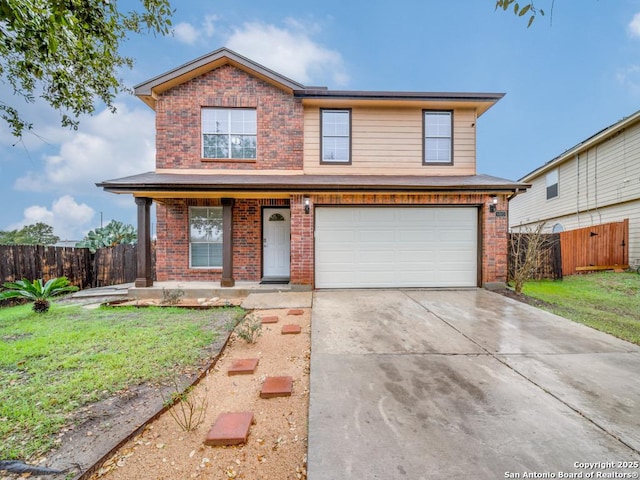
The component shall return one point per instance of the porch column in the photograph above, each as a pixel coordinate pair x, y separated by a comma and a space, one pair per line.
144, 277
227, 243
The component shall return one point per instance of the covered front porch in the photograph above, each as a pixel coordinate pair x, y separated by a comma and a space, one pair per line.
220, 241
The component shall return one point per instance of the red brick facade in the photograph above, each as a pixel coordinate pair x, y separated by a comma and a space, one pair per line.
172, 244
172, 248
178, 119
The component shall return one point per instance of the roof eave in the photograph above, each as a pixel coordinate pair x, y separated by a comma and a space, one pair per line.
586, 144
314, 92
481, 101
297, 188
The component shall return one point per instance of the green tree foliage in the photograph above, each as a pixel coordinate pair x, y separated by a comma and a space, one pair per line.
35, 234
112, 234
38, 291
67, 52
527, 10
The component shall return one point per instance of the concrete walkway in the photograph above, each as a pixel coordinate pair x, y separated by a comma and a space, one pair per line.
465, 384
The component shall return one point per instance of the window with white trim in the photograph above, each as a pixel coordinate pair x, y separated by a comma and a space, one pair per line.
438, 137
552, 184
205, 237
336, 136
229, 133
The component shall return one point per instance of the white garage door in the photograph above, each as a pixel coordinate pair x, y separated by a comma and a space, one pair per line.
372, 247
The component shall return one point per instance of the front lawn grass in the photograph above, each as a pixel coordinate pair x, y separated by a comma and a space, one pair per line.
606, 301
51, 364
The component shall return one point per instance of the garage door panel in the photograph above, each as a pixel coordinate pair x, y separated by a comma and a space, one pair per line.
419, 259
418, 237
340, 262
335, 216
375, 216
396, 246
415, 214
455, 214
338, 236
375, 236
364, 259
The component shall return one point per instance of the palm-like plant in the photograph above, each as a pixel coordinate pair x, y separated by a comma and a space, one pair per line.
38, 291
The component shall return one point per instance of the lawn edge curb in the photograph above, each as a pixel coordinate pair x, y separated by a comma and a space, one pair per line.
86, 475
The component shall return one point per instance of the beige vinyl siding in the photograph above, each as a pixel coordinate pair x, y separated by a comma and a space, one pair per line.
606, 174
388, 141
600, 185
616, 167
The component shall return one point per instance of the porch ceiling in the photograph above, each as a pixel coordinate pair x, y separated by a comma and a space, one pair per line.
162, 184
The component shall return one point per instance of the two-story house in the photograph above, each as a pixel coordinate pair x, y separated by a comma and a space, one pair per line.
259, 178
595, 182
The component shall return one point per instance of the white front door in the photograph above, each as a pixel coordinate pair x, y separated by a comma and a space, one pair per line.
276, 242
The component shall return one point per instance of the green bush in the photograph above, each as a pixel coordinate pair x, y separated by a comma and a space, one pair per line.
38, 291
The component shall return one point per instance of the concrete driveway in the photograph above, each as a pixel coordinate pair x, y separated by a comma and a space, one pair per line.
465, 384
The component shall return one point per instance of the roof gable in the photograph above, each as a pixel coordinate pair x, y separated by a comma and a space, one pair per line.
149, 90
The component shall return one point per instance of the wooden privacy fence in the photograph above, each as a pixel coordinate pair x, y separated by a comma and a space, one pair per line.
548, 259
114, 265
38, 261
108, 266
586, 249
595, 248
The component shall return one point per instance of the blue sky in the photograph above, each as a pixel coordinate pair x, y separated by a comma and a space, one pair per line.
563, 82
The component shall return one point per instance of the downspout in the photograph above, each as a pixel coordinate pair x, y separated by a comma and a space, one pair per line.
586, 183
595, 185
578, 189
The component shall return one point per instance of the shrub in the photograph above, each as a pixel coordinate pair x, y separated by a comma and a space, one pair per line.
171, 297
250, 328
38, 291
187, 408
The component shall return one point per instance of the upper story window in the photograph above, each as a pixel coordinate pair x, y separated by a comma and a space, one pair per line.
229, 133
552, 184
335, 132
438, 137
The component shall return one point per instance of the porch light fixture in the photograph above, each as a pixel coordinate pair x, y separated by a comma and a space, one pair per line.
307, 205
494, 202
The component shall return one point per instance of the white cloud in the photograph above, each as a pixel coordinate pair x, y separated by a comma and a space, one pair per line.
186, 33
289, 51
634, 26
629, 78
190, 34
209, 25
107, 146
70, 220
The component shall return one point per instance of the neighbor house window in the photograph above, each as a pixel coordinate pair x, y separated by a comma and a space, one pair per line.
438, 137
229, 133
205, 237
552, 184
336, 136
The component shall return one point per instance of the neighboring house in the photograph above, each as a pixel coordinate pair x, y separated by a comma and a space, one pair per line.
259, 178
595, 182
